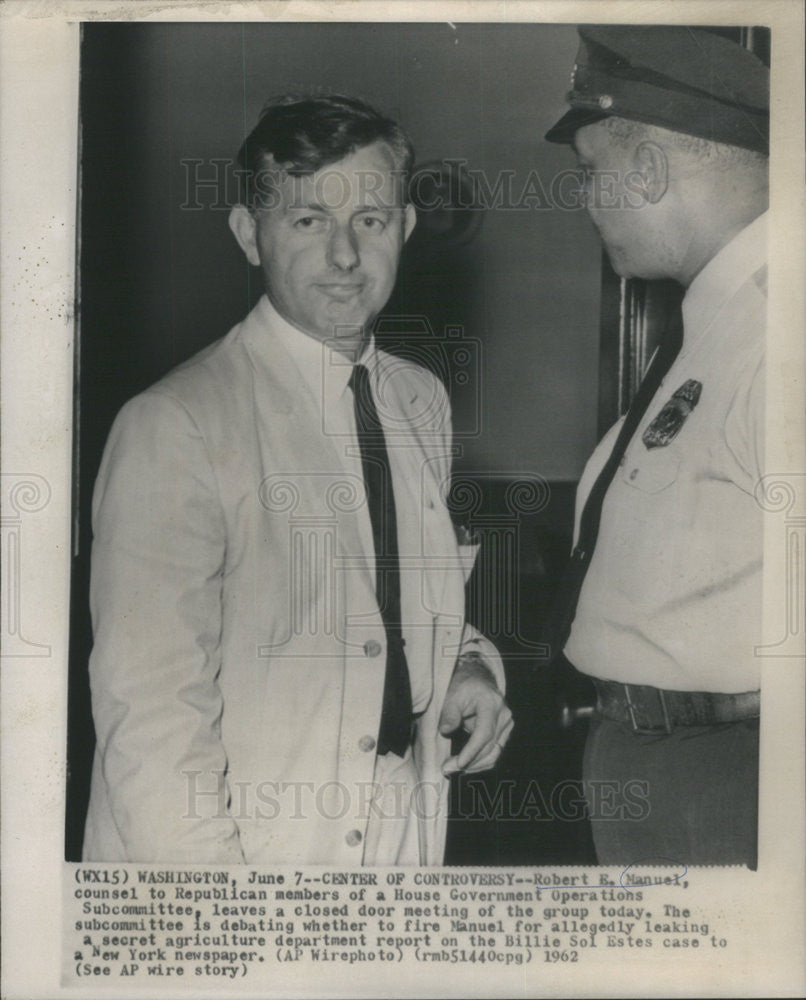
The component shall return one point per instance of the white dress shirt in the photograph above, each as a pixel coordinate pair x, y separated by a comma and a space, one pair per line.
327, 372
672, 597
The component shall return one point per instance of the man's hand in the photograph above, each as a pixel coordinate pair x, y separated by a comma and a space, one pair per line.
473, 700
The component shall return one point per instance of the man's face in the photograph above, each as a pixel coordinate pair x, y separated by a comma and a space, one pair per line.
627, 223
328, 244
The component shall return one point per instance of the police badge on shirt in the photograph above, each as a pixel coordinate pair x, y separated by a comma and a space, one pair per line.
666, 426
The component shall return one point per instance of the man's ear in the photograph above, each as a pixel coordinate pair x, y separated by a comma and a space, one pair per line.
651, 167
409, 221
244, 229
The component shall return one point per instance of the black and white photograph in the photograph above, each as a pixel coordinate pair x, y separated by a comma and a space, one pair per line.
263, 689
429, 503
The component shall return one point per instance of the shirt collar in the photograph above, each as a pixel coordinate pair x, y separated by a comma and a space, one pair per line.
320, 365
722, 276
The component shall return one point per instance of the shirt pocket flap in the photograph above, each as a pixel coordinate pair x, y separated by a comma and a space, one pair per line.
655, 471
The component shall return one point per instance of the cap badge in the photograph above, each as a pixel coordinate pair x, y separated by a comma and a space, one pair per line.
605, 102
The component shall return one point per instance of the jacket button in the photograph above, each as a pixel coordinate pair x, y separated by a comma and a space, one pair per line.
634, 473
366, 743
372, 648
353, 838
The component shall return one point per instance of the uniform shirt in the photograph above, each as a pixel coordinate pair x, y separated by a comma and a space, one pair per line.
672, 597
326, 373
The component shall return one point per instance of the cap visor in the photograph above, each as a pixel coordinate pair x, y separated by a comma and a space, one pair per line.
566, 128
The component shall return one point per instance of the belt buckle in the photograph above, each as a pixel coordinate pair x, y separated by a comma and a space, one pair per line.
648, 730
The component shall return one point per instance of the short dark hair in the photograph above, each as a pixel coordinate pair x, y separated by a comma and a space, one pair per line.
300, 135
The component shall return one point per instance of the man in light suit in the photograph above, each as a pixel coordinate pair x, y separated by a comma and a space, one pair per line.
268, 685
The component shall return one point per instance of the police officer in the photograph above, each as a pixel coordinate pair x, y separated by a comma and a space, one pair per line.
670, 126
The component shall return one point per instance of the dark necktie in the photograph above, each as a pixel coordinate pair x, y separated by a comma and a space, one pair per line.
565, 603
396, 717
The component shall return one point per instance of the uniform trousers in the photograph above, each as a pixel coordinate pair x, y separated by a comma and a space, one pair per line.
689, 797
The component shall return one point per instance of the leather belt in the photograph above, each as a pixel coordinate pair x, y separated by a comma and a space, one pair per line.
651, 710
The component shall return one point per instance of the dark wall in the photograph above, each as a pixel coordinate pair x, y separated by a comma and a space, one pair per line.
161, 276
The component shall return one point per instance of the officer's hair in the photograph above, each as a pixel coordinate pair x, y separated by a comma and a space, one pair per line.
301, 134
721, 155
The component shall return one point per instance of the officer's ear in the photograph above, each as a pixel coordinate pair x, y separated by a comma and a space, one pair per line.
651, 167
409, 220
244, 228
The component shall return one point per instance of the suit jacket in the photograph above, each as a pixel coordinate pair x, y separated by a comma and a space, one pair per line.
238, 663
